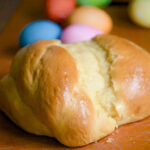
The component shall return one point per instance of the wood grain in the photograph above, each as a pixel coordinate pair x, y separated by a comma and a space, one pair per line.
135, 136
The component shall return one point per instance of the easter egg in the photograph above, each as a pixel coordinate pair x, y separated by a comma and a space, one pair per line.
139, 12
39, 30
98, 3
59, 10
76, 33
91, 16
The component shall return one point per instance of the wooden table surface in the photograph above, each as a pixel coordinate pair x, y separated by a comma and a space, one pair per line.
135, 136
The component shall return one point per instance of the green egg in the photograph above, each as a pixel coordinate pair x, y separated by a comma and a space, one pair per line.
139, 12
97, 3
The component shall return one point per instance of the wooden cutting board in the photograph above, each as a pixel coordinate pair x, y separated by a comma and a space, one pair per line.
135, 136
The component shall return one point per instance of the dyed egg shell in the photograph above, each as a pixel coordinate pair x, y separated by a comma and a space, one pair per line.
59, 10
39, 30
91, 16
98, 3
76, 33
139, 12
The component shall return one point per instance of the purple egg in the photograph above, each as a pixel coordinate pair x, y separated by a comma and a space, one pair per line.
77, 33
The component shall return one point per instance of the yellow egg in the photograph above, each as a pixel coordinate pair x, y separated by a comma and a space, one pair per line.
139, 12
92, 16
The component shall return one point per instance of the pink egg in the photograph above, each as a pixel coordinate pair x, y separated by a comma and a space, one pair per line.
77, 33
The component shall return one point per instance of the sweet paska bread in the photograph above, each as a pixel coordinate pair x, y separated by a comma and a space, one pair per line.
77, 93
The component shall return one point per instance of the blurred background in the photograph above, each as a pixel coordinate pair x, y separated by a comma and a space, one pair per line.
8, 6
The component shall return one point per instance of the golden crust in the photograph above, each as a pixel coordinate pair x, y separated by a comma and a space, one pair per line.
45, 76
43, 84
131, 76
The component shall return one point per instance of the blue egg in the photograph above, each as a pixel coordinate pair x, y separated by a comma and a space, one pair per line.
39, 30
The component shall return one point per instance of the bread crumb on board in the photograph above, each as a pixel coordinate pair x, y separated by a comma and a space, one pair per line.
109, 140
